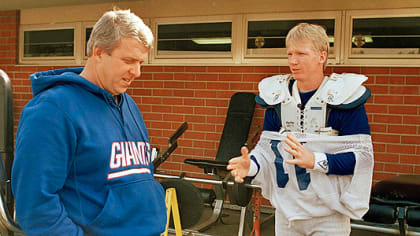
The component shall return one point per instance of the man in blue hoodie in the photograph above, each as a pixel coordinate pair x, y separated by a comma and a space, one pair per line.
82, 162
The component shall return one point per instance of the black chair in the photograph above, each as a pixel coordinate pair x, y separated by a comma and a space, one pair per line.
234, 136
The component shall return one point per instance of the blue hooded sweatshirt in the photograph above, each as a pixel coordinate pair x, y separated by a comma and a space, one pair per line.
82, 163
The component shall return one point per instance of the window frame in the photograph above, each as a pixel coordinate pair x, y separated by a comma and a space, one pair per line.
376, 59
281, 60
60, 60
197, 58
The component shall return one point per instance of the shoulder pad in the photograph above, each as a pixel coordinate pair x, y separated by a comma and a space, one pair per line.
273, 90
345, 88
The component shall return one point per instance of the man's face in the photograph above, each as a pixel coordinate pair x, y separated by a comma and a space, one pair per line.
304, 61
118, 69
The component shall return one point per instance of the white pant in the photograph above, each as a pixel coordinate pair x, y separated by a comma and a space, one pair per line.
337, 225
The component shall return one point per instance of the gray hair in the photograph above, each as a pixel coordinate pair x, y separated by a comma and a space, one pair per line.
315, 33
115, 25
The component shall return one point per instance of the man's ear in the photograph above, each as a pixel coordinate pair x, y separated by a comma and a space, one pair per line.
323, 57
97, 52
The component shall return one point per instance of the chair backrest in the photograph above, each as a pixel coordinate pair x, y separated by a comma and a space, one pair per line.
6, 113
237, 124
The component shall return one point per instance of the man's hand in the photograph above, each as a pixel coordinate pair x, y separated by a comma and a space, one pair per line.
303, 157
240, 165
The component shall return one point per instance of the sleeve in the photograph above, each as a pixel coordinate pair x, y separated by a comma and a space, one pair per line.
45, 144
271, 120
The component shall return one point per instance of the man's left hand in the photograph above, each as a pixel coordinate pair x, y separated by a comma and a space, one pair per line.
303, 157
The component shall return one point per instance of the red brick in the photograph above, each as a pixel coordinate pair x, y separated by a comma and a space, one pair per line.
151, 100
242, 69
379, 89
386, 138
206, 93
184, 93
374, 70
410, 140
183, 110
388, 99
404, 110
340, 70
141, 92
204, 127
375, 108
163, 92
412, 100
406, 149
395, 119
195, 69
378, 166
405, 71
230, 77
153, 84
286, 70
386, 157
205, 110
378, 128
410, 159
217, 102
160, 125
174, 69
195, 85
204, 144
172, 101
218, 69
194, 101
149, 68
152, 116
267, 69
405, 90
253, 77
173, 84
217, 85
417, 170
378, 147
389, 80
412, 80
402, 129
206, 77
215, 119
161, 109
163, 76
399, 168
242, 86
190, 134
184, 76
196, 118
411, 120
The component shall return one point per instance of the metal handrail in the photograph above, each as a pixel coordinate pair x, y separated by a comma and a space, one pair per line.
6, 204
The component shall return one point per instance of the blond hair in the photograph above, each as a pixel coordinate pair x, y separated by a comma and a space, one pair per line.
315, 33
115, 25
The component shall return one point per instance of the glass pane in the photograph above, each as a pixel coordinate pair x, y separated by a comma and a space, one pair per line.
196, 37
87, 35
49, 43
272, 34
396, 35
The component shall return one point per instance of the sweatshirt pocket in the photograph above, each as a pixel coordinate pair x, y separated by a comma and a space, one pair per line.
133, 209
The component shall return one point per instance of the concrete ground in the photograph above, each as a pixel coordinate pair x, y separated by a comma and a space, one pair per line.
229, 226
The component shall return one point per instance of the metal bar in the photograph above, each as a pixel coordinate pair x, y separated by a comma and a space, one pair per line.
205, 181
382, 229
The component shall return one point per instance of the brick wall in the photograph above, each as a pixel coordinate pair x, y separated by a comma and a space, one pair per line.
170, 95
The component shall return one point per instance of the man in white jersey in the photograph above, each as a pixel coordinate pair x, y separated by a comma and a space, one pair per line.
315, 180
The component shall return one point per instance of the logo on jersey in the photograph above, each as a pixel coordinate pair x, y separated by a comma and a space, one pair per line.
129, 154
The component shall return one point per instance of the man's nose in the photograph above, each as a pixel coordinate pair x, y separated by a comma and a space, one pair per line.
135, 70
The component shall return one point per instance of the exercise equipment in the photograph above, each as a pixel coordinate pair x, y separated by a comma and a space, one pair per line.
394, 207
6, 152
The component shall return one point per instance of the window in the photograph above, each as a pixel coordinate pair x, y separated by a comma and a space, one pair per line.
383, 37
194, 40
266, 34
48, 44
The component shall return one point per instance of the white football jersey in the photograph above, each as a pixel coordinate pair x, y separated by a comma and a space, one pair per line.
305, 193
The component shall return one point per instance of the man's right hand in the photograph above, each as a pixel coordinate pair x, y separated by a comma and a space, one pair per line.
239, 166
